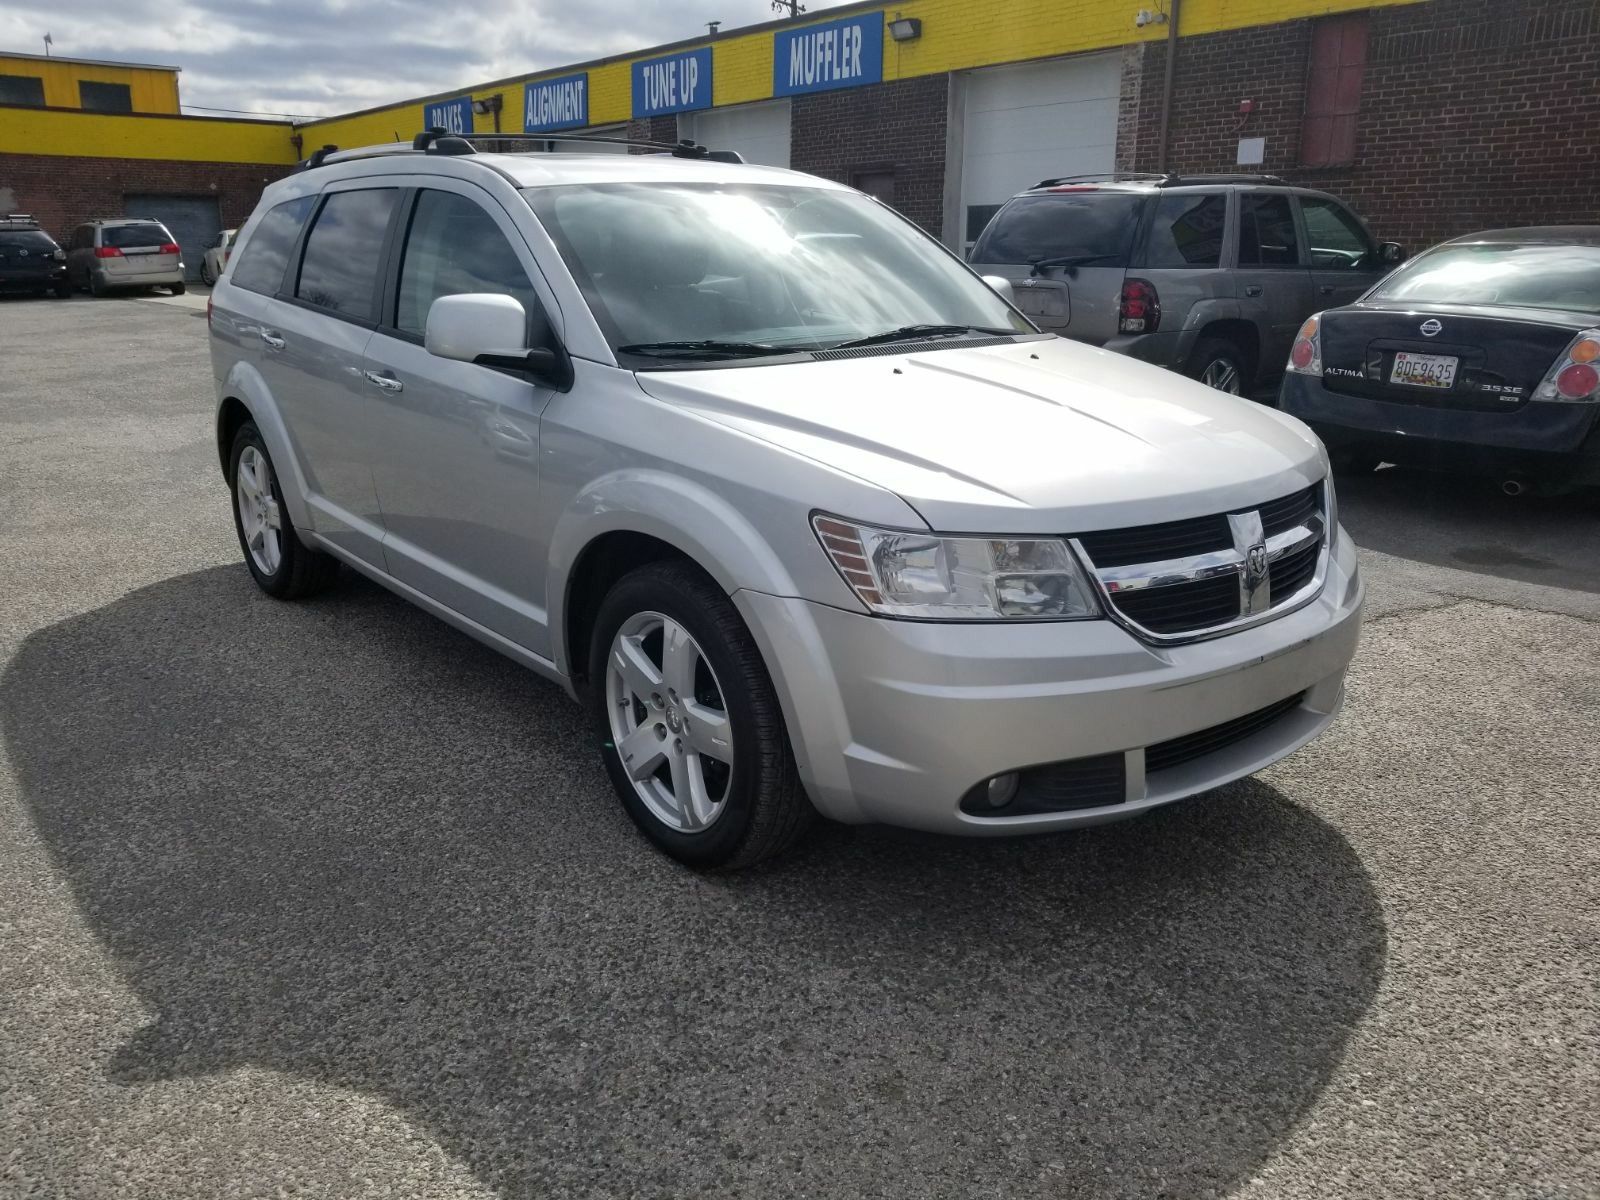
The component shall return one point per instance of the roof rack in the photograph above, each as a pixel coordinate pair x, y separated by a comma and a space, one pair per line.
437, 140
1158, 178
18, 219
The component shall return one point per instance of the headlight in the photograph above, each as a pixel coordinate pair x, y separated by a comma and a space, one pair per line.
922, 575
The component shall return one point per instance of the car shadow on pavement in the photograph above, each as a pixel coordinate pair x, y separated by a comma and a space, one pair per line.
342, 840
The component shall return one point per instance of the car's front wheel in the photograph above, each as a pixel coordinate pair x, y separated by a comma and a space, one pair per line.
690, 726
178, 289
281, 564
205, 274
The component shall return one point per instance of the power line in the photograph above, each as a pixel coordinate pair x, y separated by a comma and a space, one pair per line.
251, 112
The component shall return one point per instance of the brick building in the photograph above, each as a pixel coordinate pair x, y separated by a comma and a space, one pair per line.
1432, 117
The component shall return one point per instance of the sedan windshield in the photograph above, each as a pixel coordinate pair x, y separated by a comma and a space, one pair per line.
1532, 276
693, 272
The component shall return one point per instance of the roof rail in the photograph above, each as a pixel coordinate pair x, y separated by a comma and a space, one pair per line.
436, 139
442, 142
1158, 178
682, 149
317, 157
1225, 177
1106, 177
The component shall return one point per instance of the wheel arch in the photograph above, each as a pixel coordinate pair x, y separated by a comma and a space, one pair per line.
245, 398
1242, 334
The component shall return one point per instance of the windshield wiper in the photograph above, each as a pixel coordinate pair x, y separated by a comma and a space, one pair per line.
915, 333
708, 348
1067, 260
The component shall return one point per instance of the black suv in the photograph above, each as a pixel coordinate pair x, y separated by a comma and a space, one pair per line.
30, 260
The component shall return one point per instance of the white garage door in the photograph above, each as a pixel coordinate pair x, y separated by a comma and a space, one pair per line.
759, 132
1032, 122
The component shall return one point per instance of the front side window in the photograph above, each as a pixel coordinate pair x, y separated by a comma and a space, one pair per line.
455, 247
1534, 276
343, 249
765, 267
1266, 231
1187, 231
1090, 228
1337, 239
266, 256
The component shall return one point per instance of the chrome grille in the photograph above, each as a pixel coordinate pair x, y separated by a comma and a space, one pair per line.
1205, 576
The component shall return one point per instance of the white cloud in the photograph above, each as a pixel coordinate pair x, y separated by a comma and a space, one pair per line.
317, 57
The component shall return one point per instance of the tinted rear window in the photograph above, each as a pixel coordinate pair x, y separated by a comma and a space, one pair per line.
1187, 231
1094, 226
31, 240
124, 236
261, 265
1543, 276
340, 268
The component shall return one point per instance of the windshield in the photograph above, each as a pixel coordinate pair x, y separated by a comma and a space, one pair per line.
33, 240
1095, 228
1534, 276
757, 269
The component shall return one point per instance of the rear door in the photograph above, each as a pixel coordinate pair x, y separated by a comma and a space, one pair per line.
143, 248
1344, 259
1273, 283
455, 446
1066, 252
313, 344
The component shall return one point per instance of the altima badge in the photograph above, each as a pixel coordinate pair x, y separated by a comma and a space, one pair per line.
1431, 328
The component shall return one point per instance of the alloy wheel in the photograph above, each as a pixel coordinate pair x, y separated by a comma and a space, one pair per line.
669, 722
1222, 374
259, 514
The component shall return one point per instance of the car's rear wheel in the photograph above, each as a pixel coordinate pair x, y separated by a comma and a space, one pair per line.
280, 563
691, 731
96, 288
205, 274
1218, 363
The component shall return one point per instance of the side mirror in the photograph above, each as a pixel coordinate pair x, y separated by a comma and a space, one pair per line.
492, 331
1001, 286
1391, 253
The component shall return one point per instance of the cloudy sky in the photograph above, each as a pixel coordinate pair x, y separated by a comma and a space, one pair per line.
314, 57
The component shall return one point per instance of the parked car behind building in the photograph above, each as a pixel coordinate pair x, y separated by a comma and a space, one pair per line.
127, 252
1210, 275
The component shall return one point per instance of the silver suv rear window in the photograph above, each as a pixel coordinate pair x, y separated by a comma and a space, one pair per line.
1097, 226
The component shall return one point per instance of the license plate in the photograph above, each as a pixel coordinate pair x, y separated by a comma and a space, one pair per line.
1424, 370
1042, 301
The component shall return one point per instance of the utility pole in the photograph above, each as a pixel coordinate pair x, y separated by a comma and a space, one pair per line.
792, 7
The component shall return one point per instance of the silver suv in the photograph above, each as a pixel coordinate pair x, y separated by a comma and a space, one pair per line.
1210, 275
808, 516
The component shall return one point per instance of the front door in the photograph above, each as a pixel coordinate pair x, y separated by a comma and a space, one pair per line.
1344, 261
1273, 286
455, 446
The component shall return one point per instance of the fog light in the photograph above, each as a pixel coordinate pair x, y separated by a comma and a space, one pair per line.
1002, 789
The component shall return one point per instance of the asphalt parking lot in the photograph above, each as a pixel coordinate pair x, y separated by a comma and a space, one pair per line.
327, 900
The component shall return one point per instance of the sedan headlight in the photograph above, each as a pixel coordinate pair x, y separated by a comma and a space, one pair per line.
928, 577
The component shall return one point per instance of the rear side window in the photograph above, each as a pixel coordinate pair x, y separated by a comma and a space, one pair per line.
260, 267
1266, 231
126, 237
1091, 228
341, 264
455, 247
1187, 231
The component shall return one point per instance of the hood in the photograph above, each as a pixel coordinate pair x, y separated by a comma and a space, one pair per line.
1042, 436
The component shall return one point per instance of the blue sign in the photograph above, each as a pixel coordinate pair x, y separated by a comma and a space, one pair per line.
820, 58
552, 104
676, 83
453, 115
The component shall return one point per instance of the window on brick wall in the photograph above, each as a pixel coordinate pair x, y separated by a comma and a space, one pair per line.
21, 89
1333, 90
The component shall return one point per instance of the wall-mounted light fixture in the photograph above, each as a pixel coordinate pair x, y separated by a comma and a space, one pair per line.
489, 104
905, 29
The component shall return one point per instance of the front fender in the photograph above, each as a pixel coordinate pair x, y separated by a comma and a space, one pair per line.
703, 525
244, 383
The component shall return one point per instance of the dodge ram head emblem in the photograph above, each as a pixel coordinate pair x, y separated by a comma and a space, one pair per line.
1255, 565
1250, 544
1431, 327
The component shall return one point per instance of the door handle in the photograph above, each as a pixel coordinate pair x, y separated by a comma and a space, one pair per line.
1253, 289
387, 382
272, 339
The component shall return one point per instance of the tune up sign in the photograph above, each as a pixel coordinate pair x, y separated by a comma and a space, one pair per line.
674, 84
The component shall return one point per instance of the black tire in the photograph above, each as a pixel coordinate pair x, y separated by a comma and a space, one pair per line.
63, 291
1219, 354
765, 808
96, 288
302, 571
178, 289
205, 274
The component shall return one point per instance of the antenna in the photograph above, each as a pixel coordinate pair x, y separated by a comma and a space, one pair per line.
793, 7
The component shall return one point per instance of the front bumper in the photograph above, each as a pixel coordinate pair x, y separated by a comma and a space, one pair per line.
1538, 438
895, 721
